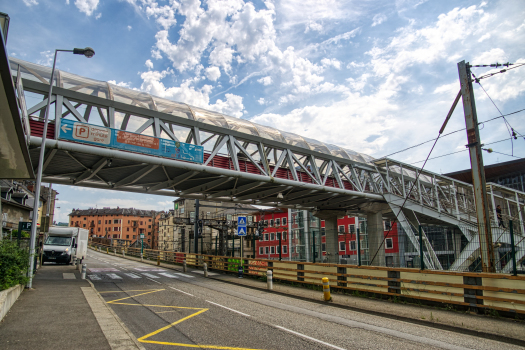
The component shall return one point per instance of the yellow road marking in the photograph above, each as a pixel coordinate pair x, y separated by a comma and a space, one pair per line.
143, 338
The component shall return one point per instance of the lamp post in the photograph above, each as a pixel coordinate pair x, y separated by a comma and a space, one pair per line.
88, 52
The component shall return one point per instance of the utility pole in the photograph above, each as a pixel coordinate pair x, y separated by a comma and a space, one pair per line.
478, 171
196, 227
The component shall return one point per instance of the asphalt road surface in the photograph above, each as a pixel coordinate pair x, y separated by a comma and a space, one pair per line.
167, 309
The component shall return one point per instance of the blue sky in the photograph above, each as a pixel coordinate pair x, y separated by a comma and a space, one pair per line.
373, 76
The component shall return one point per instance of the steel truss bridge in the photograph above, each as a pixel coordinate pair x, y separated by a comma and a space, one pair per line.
245, 163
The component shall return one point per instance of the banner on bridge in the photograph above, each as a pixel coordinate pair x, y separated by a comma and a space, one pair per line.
99, 135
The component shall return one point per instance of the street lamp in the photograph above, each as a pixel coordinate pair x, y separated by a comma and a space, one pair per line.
88, 52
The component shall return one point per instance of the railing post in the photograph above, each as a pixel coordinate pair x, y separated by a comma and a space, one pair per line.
205, 266
83, 274
269, 279
184, 266
421, 253
513, 249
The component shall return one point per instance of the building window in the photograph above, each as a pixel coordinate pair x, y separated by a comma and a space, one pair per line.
323, 247
99, 229
285, 249
272, 236
284, 234
351, 228
149, 226
265, 223
84, 218
127, 228
260, 250
134, 229
353, 245
84, 225
72, 223
115, 236
272, 250
277, 222
388, 226
389, 244
277, 249
292, 250
149, 220
265, 236
105, 222
284, 221
341, 229
342, 246
128, 221
266, 250
127, 236
134, 236
271, 222
115, 221
99, 222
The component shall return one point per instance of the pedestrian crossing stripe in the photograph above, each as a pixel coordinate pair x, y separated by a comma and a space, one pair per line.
167, 275
114, 276
150, 275
132, 275
94, 277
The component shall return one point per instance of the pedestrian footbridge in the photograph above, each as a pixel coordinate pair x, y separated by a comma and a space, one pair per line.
145, 144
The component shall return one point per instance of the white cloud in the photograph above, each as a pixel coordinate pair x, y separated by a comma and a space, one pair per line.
313, 26
67, 2
129, 28
30, 2
261, 101
47, 58
331, 62
98, 16
265, 81
213, 73
149, 64
378, 19
121, 84
492, 56
87, 6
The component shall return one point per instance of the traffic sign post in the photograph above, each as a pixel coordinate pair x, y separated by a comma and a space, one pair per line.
242, 224
23, 226
141, 244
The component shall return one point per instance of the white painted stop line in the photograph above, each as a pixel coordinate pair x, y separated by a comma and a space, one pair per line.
150, 275
167, 275
183, 275
132, 275
114, 276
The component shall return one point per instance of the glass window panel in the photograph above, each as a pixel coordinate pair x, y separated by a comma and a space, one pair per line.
337, 151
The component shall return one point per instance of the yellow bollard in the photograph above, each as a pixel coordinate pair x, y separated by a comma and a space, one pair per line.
107, 250
158, 260
326, 289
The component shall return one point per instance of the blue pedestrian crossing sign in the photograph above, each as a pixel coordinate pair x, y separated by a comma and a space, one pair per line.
241, 226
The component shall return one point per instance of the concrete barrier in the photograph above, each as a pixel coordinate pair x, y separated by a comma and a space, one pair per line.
8, 298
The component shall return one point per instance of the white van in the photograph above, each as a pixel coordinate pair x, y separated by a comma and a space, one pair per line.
64, 243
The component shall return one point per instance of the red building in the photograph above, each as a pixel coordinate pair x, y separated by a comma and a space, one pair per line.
276, 225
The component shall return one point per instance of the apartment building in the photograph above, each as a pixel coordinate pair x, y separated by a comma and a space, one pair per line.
122, 224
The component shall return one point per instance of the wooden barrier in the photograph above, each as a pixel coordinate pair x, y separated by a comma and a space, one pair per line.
477, 291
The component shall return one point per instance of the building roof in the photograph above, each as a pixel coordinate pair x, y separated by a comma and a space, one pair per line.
112, 211
492, 171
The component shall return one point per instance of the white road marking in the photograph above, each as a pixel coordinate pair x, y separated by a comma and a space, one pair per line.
310, 338
132, 275
153, 280
114, 276
202, 273
182, 274
227, 308
150, 275
167, 275
178, 290
94, 277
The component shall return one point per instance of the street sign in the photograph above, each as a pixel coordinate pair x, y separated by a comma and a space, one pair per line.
141, 235
25, 226
241, 226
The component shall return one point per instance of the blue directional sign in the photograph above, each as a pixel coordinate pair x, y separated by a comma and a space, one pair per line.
241, 225
99, 135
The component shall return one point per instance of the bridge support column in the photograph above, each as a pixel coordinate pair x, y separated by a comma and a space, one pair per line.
376, 247
331, 235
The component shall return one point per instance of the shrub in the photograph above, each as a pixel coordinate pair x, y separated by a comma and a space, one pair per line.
14, 263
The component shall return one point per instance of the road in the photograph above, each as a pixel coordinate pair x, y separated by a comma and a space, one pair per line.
167, 309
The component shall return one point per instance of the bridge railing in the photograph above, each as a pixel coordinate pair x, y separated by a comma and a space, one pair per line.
481, 292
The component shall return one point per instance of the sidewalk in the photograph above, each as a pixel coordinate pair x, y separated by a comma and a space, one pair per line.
501, 329
62, 311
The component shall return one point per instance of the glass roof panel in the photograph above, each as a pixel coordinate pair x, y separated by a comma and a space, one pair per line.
337, 151
31, 71
269, 133
84, 85
132, 97
317, 146
294, 140
367, 158
354, 156
172, 107
241, 125
209, 117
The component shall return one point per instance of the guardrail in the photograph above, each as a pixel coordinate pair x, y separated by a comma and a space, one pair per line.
488, 293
